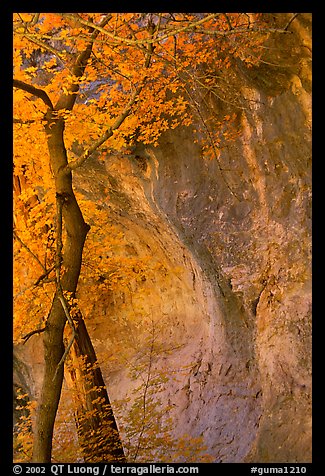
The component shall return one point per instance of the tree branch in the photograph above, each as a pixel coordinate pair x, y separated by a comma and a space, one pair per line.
44, 275
291, 20
68, 99
35, 19
20, 121
145, 393
124, 114
30, 334
29, 250
118, 39
236, 31
228, 21
40, 93
109, 132
34, 38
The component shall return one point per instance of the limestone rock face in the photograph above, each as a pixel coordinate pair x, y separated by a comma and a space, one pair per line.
231, 294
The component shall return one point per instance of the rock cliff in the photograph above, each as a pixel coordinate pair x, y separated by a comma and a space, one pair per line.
228, 243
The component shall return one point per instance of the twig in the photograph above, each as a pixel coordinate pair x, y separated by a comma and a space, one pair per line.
145, 393
210, 138
44, 275
34, 38
290, 21
35, 19
20, 121
30, 334
29, 250
228, 21
148, 40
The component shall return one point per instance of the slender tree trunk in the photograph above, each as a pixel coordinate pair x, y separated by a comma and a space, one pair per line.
51, 389
97, 430
69, 259
102, 423
76, 232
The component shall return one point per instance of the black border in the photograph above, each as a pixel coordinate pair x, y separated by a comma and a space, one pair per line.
6, 346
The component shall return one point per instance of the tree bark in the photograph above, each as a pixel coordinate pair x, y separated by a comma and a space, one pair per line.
97, 430
71, 254
76, 232
101, 422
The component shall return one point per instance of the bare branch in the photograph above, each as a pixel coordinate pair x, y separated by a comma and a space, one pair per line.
190, 26
20, 121
30, 334
236, 31
35, 19
210, 138
228, 21
150, 39
32, 22
44, 275
145, 392
29, 250
40, 93
291, 20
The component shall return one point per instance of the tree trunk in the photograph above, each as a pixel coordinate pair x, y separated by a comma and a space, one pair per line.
51, 389
76, 232
69, 255
97, 430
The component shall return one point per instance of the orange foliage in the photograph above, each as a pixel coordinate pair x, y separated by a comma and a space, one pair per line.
146, 74
160, 66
